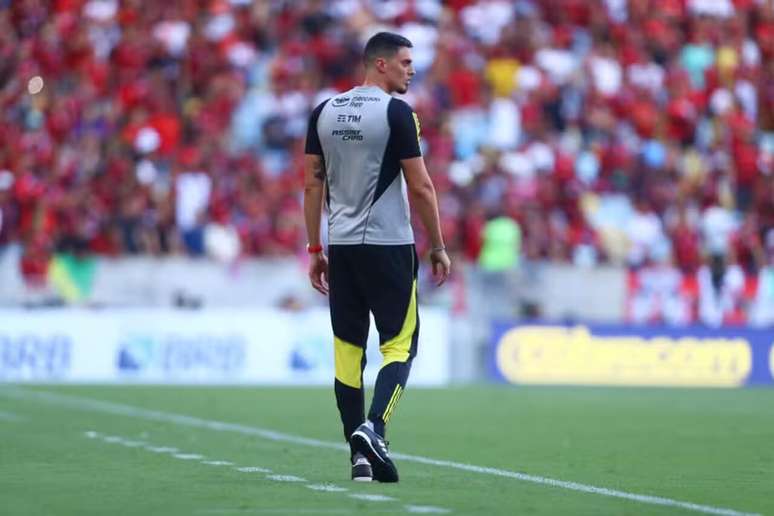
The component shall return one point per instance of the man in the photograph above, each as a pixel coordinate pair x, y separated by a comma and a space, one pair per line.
357, 144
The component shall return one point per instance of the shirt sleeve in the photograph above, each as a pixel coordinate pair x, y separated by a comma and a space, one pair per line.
404, 129
313, 145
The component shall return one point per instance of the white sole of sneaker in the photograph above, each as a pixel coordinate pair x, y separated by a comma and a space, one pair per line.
362, 479
366, 440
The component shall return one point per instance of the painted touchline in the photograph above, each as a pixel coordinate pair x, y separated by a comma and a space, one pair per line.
327, 488
252, 469
426, 509
286, 478
133, 444
162, 449
221, 426
91, 434
373, 497
284, 511
10, 416
188, 456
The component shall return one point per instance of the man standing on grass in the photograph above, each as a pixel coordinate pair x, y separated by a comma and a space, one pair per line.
357, 144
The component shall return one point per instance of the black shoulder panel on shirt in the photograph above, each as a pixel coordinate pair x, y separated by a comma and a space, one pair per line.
404, 129
403, 143
312, 138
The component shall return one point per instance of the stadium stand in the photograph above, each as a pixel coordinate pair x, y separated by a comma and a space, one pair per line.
638, 133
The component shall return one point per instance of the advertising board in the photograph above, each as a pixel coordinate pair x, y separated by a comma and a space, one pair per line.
631, 355
207, 346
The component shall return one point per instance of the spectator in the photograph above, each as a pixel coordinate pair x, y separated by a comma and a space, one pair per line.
762, 313
645, 232
501, 244
560, 114
721, 291
193, 196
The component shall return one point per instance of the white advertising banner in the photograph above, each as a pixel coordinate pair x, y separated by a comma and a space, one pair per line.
206, 346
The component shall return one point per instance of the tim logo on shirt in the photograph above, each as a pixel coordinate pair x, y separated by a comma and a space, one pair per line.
352, 119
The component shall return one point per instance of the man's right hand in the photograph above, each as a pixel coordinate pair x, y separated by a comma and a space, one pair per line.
318, 272
441, 265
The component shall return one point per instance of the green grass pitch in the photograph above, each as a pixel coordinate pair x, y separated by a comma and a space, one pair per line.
63, 454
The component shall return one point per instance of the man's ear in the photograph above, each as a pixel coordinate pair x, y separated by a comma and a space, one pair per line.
380, 63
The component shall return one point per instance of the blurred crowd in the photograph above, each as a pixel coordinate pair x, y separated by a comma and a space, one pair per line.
633, 132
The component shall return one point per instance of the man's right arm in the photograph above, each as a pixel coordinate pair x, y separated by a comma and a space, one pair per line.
405, 133
424, 200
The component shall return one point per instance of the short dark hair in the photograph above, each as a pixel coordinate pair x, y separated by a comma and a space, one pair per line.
384, 44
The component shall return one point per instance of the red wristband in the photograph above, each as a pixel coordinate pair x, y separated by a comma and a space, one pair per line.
314, 249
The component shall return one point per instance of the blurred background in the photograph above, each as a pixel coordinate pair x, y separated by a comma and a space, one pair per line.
605, 173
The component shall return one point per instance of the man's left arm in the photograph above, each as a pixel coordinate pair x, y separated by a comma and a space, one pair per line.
314, 189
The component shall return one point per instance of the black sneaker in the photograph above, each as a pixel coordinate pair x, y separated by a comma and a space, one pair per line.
361, 469
370, 444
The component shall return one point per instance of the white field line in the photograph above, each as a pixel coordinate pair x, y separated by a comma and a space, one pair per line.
188, 456
426, 509
115, 439
283, 511
285, 478
10, 416
162, 449
329, 488
90, 404
133, 444
252, 469
373, 497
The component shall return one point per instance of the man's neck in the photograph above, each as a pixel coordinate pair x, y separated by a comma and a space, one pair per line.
370, 81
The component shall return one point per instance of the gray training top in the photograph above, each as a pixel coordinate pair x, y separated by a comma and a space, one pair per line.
362, 135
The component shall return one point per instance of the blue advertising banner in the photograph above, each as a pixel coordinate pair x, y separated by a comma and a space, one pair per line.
631, 355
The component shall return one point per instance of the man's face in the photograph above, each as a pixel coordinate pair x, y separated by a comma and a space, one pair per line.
399, 70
